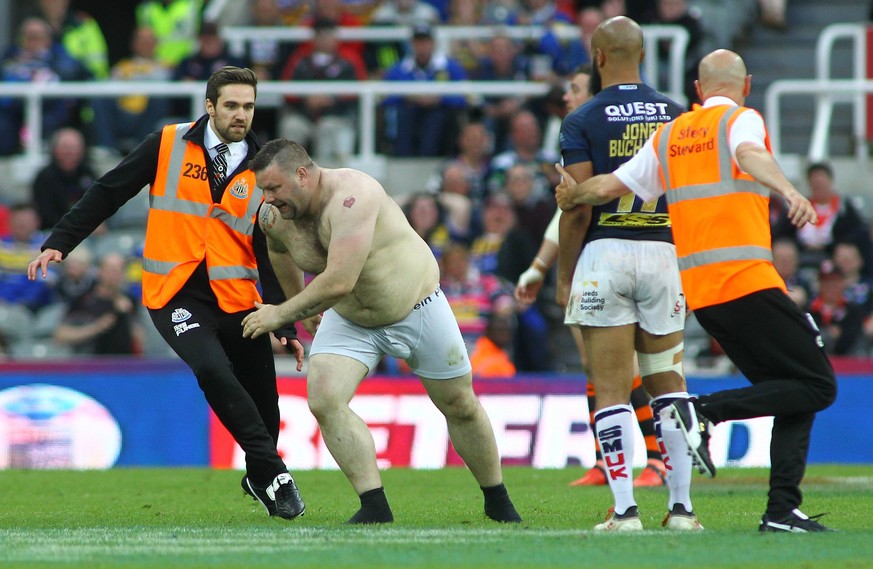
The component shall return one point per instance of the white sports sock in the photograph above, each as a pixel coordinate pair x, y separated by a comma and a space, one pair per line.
677, 460
615, 434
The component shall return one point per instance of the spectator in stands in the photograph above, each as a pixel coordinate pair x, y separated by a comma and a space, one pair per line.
613, 8
772, 13
839, 219
175, 23
498, 220
859, 287
211, 55
840, 321
266, 56
526, 148
292, 12
79, 33
506, 251
577, 51
475, 148
468, 51
515, 253
35, 59
104, 320
532, 212
361, 9
122, 123
343, 12
327, 123
503, 61
63, 181
428, 218
491, 355
81, 36
500, 12
546, 51
78, 275
786, 260
679, 13
382, 56
473, 295
539, 13
16, 250
424, 125
454, 195
344, 15
405, 13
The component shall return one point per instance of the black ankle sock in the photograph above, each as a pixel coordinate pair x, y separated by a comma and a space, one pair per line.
374, 508
498, 506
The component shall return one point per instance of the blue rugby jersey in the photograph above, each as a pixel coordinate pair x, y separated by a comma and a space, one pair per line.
608, 131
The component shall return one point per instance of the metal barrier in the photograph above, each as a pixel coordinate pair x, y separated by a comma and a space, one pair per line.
827, 91
237, 36
369, 93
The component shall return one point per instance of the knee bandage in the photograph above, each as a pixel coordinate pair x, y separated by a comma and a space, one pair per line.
651, 364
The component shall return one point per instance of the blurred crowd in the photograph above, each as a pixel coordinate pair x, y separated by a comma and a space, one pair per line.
483, 211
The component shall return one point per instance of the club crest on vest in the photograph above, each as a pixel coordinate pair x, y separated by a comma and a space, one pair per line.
240, 189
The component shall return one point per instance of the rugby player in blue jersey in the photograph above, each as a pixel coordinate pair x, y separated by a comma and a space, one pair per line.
617, 271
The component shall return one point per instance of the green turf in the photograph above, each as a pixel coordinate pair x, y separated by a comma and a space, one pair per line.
186, 518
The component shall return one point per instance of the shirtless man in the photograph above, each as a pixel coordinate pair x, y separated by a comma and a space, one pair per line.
377, 285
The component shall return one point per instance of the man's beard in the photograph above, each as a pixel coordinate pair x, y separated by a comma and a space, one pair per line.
595, 84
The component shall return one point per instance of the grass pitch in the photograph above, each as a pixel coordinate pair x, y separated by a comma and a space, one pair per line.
178, 518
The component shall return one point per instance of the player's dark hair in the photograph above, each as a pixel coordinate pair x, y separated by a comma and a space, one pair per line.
289, 155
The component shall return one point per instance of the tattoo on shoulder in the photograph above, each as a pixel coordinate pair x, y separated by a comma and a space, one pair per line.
268, 217
349, 202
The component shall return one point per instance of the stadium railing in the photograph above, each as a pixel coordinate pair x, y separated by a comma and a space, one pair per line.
369, 92
676, 36
827, 91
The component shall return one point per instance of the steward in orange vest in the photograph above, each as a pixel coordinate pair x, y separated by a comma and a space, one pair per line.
204, 253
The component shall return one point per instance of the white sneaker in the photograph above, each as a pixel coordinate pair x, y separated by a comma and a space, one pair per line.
682, 522
630, 521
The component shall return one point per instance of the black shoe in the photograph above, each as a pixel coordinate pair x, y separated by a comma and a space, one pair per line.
696, 429
794, 521
283, 491
258, 493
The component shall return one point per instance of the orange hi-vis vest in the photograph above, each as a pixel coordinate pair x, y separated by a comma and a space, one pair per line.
719, 213
185, 227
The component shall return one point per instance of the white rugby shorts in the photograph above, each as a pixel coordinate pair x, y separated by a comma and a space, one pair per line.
620, 281
428, 339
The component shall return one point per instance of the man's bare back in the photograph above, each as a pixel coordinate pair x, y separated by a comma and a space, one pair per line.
399, 269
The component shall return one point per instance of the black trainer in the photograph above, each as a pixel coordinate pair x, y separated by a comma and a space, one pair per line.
283, 491
794, 521
696, 429
259, 494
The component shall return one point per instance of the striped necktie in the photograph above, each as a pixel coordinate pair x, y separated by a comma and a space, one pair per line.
219, 163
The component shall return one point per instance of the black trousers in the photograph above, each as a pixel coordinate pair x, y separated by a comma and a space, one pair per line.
779, 351
237, 376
